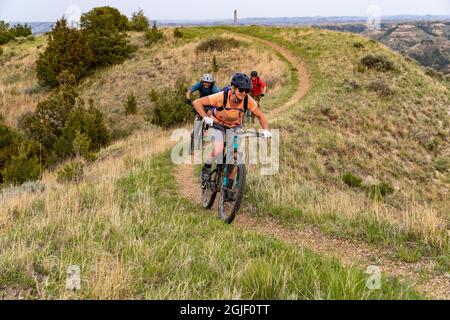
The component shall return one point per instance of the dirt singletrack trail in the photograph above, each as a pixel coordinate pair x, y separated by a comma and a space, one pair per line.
302, 75
349, 252
185, 175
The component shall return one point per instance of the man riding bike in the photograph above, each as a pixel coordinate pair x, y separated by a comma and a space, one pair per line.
258, 91
227, 116
207, 86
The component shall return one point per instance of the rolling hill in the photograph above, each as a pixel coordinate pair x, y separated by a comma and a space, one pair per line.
428, 42
365, 164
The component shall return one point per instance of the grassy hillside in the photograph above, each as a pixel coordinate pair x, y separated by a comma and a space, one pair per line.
19, 92
133, 234
134, 237
428, 42
155, 67
390, 127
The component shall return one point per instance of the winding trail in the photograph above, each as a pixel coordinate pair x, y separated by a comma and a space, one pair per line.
349, 252
304, 83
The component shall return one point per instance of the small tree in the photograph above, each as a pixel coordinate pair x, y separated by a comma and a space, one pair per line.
177, 33
46, 124
131, 104
153, 95
9, 141
104, 29
21, 30
377, 62
169, 108
154, 35
104, 17
23, 167
5, 33
81, 145
139, 22
71, 172
89, 121
67, 51
215, 65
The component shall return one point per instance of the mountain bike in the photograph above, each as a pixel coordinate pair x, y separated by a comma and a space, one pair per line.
196, 135
230, 197
197, 132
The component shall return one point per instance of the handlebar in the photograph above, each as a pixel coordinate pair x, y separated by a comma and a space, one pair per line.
250, 134
245, 134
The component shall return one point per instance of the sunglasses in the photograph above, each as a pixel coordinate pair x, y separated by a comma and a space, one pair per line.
241, 90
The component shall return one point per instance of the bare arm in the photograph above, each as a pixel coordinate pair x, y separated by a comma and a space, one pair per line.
264, 91
188, 94
200, 105
262, 119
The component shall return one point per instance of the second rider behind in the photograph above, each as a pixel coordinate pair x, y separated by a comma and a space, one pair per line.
207, 86
258, 91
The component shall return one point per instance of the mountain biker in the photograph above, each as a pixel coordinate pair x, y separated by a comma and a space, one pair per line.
207, 86
226, 117
258, 91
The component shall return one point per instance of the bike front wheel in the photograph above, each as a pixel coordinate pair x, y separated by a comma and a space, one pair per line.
230, 199
209, 190
191, 149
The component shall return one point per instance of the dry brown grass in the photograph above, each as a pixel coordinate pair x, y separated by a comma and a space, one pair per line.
164, 64
65, 208
149, 68
69, 219
335, 130
16, 76
319, 204
113, 162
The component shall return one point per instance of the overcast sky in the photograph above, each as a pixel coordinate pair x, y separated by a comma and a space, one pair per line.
50, 10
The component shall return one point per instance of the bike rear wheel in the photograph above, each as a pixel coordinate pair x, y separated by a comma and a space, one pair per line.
227, 209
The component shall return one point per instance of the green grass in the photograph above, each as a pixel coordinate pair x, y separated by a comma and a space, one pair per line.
139, 239
334, 130
26, 44
198, 257
165, 248
270, 101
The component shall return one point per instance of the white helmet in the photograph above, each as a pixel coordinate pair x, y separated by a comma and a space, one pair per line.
208, 78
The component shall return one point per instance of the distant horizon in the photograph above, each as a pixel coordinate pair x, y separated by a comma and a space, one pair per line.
362, 17
180, 10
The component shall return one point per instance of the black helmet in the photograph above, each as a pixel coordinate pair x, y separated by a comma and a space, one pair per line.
254, 74
242, 81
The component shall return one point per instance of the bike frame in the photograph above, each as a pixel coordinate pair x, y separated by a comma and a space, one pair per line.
235, 158
220, 184
226, 166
